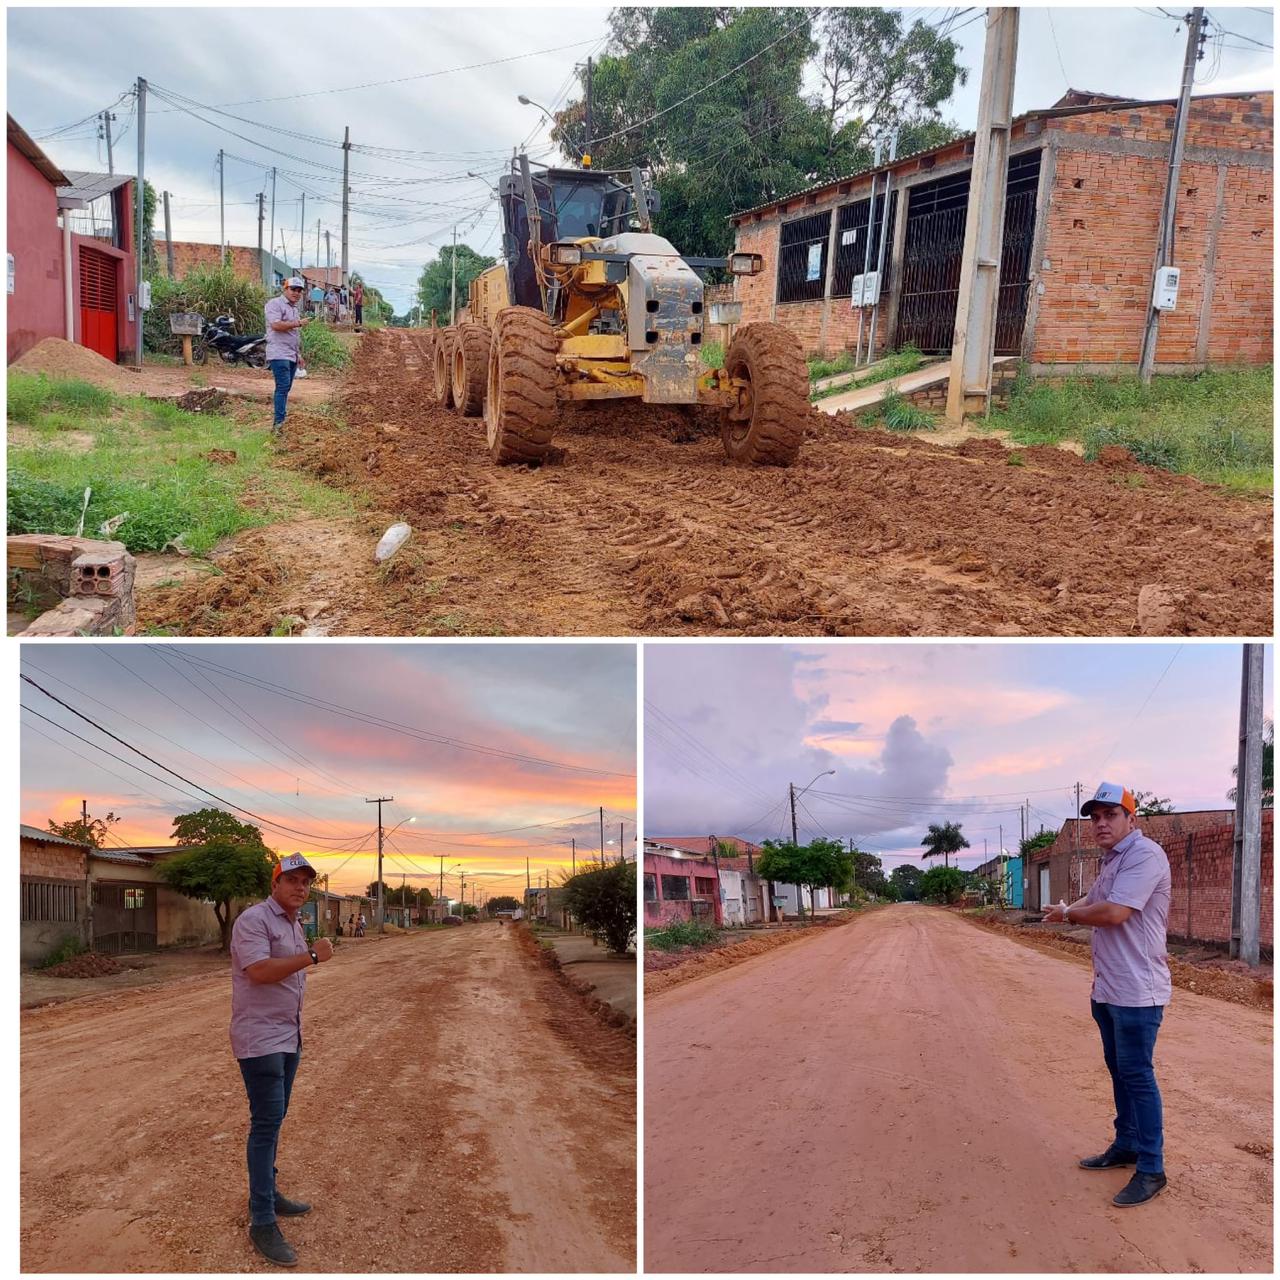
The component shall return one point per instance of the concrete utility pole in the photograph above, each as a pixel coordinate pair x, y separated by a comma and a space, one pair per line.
271, 240
573, 854
380, 801
168, 237
791, 791
866, 248
602, 835
107, 118
884, 241
222, 210
346, 197
328, 258
622, 853
1197, 28
1246, 869
453, 315
588, 149
141, 203
317, 244
262, 259
1076, 874
974, 342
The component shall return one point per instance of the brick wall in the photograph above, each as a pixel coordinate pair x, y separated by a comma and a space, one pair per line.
51, 861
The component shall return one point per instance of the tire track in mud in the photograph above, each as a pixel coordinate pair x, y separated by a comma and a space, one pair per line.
640, 525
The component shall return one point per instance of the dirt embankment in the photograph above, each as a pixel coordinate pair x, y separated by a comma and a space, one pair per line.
643, 527
452, 1099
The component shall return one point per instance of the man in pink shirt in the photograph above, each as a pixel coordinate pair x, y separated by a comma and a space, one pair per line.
269, 957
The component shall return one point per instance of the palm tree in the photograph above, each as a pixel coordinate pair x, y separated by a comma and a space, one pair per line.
945, 840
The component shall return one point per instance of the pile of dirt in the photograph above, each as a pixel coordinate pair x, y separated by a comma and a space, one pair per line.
584, 991
89, 964
58, 358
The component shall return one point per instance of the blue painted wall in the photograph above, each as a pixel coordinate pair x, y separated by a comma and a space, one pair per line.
1015, 882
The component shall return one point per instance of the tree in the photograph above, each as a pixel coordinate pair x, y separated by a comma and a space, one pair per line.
425, 898
906, 879
819, 864
371, 891
1268, 767
943, 884
1149, 804
435, 282
1040, 840
220, 872
206, 825
468, 909
504, 903
93, 832
868, 873
603, 901
943, 840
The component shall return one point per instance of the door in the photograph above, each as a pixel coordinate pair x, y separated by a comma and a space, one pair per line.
99, 300
1044, 886
124, 917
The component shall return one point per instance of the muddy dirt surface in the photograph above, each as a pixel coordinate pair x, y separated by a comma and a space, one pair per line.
452, 1100
911, 1094
643, 527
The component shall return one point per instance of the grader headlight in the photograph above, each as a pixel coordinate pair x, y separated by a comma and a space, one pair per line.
564, 254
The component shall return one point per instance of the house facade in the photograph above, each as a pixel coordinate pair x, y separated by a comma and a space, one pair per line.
679, 886
246, 263
1085, 186
53, 888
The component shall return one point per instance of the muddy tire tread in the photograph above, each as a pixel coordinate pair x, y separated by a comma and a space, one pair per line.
443, 347
474, 341
780, 387
525, 345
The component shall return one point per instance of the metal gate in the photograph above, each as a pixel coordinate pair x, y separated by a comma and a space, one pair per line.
99, 299
124, 918
936, 214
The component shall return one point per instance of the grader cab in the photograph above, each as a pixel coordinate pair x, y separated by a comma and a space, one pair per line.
589, 304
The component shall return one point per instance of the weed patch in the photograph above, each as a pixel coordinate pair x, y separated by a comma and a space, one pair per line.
321, 348
681, 933
32, 395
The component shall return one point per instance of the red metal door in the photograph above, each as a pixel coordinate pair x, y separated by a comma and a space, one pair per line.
98, 302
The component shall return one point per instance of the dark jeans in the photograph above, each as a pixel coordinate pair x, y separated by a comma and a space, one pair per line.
268, 1081
282, 371
359, 313
1128, 1045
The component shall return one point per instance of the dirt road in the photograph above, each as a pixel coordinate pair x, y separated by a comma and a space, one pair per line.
455, 1110
908, 1093
645, 528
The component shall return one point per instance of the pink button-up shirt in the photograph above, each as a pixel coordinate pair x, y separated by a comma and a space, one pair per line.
266, 1017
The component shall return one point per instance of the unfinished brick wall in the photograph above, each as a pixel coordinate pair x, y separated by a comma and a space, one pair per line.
51, 861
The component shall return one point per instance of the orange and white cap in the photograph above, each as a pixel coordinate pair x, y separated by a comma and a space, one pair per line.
1111, 793
294, 862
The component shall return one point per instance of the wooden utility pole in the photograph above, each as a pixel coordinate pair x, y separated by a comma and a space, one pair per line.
974, 342
380, 801
346, 197
1197, 26
1246, 868
141, 204
168, 237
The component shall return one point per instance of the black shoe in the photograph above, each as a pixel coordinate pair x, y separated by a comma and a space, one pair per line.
272, 1245
1112, 1158
1141, 1188
286, 1208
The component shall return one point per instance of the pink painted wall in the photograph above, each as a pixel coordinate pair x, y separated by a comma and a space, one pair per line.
35, 309
664, 911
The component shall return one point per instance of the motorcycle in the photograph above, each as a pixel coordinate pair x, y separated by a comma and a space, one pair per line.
233, 348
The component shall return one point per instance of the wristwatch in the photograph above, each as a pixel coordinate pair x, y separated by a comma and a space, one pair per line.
315, 959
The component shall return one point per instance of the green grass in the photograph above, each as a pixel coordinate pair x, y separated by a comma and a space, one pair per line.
683, 933
32, 395
713, 355
823, 367
68, 947
321, 348
1216, 425
893, 365
145, 459
896, 413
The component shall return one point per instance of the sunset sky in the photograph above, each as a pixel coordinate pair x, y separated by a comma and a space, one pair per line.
929, 733
541, 736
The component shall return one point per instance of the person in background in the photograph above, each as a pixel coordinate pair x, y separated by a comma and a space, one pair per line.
284, 344
357, 301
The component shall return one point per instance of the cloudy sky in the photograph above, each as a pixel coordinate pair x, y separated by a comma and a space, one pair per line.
427, 115
926, 733
544, 735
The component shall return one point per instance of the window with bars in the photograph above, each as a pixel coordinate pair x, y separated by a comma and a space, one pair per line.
851, 242
650, 887
675, 888
135, 899
802, 258
704, 886
97, 219
49, 901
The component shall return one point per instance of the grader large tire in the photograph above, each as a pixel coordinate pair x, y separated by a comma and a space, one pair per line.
768, 428
444, 367
520, 400
470, 368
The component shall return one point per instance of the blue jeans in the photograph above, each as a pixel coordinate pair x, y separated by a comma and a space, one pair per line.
1128, 1046
268, 1081
282, 371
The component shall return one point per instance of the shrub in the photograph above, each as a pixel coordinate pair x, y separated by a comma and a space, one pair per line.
713, 355
321, 348
211, 291
681, 933
68, 947
899, 414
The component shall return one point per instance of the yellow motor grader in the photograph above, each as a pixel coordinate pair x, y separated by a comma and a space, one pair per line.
589, 304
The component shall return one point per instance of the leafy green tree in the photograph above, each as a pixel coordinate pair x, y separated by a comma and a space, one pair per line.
371, 891
906, 879
425, 898
220, 871
942, 840
468, 909
603, 901
435, 281
206, 825
943, 884
93, 832
1042, 839
1268, 767
868, 874
820, 864
1149, 804
504, 903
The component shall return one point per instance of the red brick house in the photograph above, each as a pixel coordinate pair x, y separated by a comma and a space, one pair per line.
54, 880
1085, 186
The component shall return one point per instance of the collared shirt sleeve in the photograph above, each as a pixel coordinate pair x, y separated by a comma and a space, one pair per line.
250, 940
1137, 877
274, 310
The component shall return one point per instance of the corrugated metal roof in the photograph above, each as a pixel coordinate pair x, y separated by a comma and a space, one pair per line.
88, 187
48, 837
121, 856
1045, 113
22, 141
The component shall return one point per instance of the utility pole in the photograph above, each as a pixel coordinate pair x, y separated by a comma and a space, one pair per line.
142, 187
588, 106
346, 194
622, 853
528, 884
1077, 877
573, 853
602, 835
222, 211
1246, 902
272, 239
1197, 29
440, 886
302, 233
328, 258
791, 791
318, 244
107, 118
380, 801
453, 310
168, 237
262, 260
974, 341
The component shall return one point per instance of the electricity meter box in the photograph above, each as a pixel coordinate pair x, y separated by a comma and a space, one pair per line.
1165, 297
